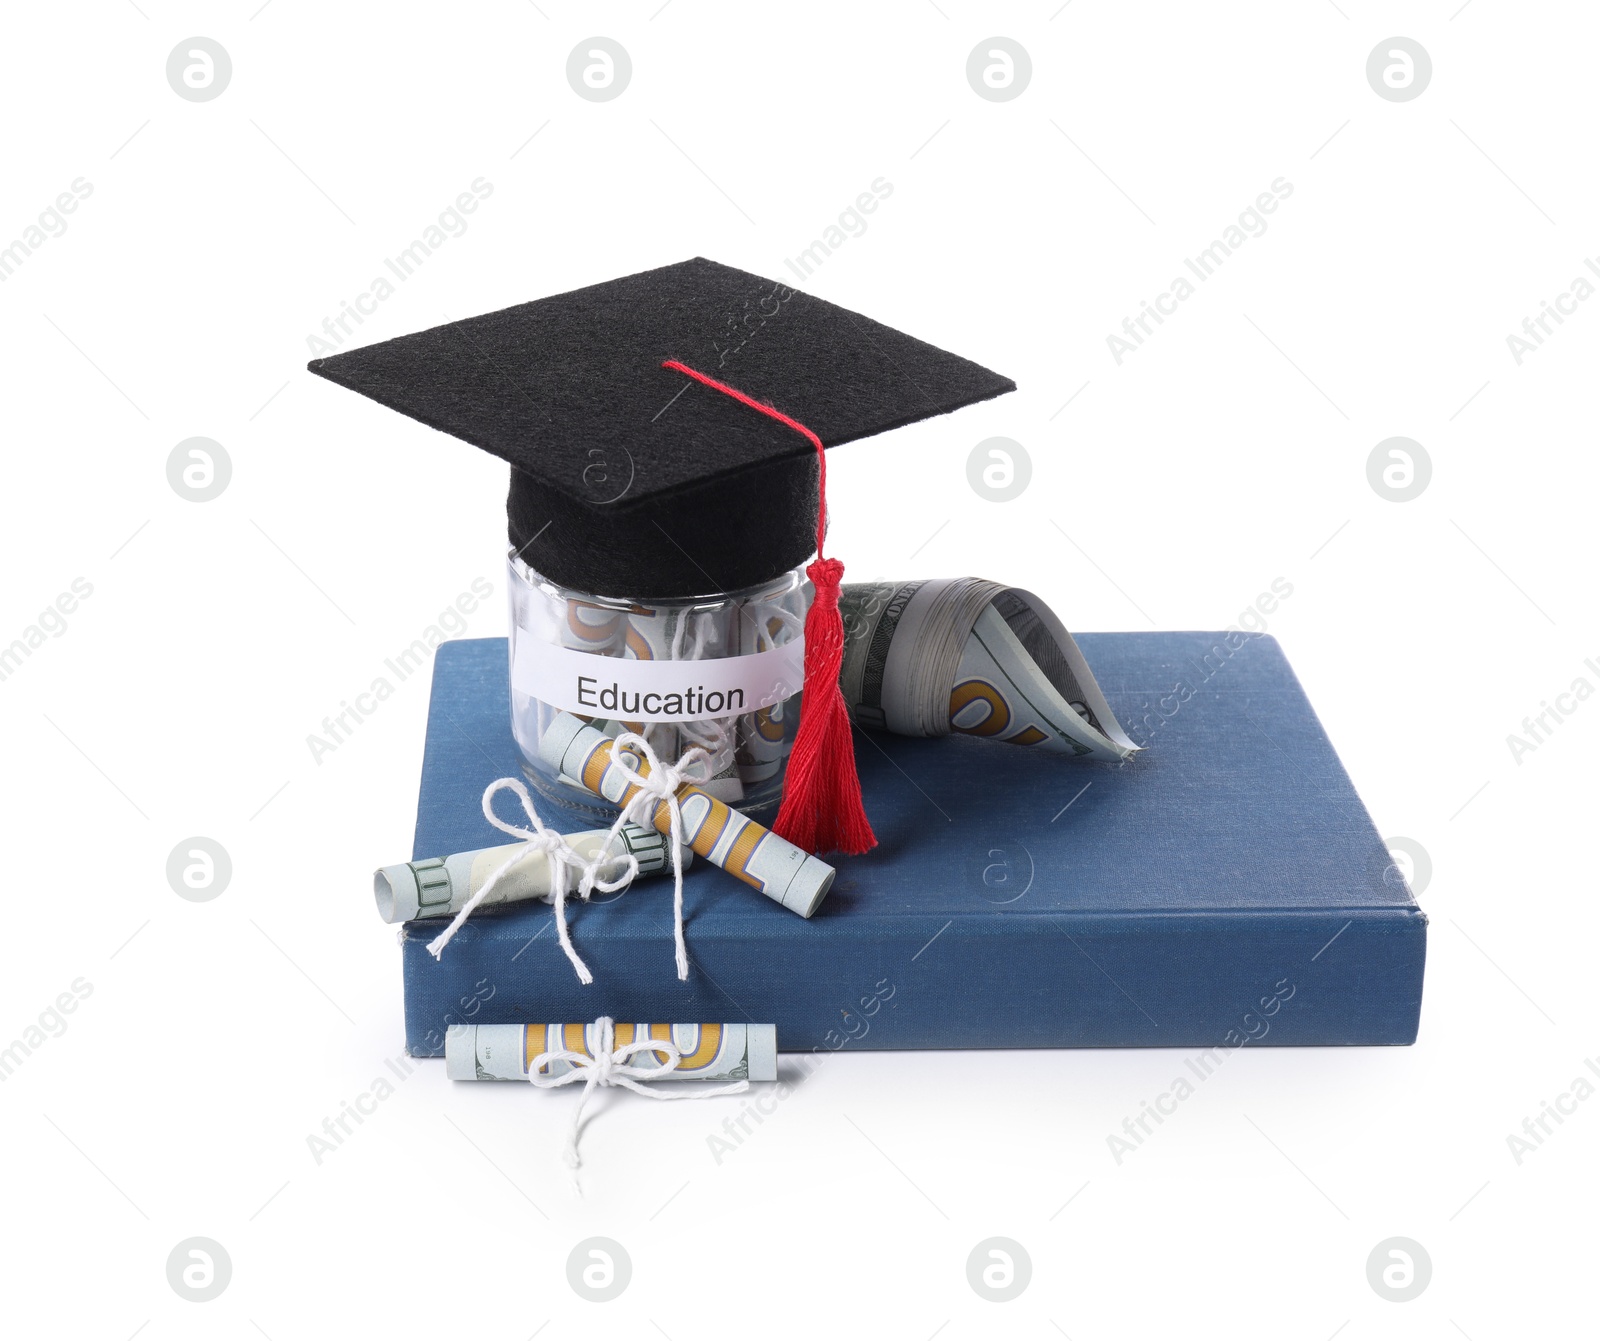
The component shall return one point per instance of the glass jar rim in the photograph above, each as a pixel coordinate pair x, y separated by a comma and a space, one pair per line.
777, 586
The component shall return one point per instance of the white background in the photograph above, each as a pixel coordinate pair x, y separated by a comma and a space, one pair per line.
1230, 450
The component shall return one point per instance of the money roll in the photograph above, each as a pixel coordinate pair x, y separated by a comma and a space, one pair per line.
966, 655
707, 1051
440, 886
714, 829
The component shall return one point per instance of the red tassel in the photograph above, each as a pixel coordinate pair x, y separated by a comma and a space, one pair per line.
822, 809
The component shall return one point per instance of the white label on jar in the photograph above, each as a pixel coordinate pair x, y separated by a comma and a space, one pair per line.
658, 691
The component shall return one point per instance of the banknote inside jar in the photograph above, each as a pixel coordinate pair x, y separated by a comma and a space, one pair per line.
747, 751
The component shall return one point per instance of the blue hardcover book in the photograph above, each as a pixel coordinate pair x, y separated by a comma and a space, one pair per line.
1225, 885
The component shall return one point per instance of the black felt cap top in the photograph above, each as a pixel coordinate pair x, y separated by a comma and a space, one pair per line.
629, 479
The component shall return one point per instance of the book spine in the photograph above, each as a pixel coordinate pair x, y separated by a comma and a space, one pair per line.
1220, 980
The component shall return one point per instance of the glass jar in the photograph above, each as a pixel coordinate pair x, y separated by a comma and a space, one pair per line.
604, 659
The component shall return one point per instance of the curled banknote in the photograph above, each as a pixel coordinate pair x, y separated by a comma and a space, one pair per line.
440, 886
706, 1051
963, 654
713, 828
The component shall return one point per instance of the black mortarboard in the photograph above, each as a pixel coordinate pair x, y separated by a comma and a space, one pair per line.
627, 478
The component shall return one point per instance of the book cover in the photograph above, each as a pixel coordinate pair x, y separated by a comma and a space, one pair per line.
1225, 885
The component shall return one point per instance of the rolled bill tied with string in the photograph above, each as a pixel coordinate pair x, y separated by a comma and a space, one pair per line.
719, 833
706, 1051
440, 886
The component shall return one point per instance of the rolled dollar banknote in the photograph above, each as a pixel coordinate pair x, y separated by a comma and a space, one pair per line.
706, 1051
603, 630
714, 829
963, 654
440, 886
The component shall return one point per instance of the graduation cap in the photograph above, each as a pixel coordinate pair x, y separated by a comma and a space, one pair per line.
666, 436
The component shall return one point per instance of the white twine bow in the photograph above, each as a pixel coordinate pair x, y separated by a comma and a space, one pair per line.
563, 861
609, 1066
660, 786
